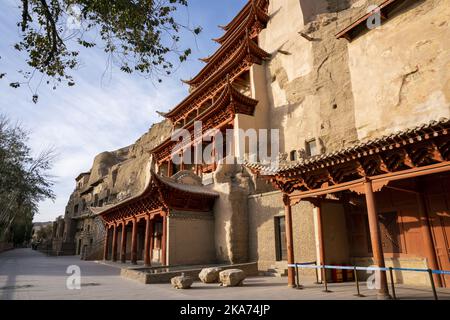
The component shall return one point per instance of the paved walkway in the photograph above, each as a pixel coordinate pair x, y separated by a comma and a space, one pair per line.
27, 274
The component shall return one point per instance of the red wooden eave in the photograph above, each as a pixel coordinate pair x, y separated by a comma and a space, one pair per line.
229, 97
248, 49
236, 37
346, 33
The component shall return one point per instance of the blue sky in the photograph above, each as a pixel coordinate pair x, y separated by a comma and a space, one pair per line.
103, 111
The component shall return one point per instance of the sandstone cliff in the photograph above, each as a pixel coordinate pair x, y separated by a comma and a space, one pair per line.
116, 175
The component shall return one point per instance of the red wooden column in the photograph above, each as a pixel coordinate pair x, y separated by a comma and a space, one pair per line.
148, 233
106, 245
214, 160
152, 239
114, 244
289, 240
123, 243
375, 238
428, 238
320, 234
164, 242
134, 243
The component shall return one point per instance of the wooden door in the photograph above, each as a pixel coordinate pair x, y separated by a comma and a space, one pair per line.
438, 196
157, 242
441, 232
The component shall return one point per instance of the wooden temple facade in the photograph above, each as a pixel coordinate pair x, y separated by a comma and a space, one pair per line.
404, 180
220, 91
145, 218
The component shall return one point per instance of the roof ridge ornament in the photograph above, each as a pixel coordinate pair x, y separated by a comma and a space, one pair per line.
254, 13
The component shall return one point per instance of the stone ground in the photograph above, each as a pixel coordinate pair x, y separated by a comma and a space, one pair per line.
27, 274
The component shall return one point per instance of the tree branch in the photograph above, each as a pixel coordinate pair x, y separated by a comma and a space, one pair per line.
25, 15
54, 37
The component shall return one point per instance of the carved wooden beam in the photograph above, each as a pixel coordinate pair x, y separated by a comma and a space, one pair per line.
406, 159
436, 154
384, 168
331, 176
419, 156
444, 148
360, 170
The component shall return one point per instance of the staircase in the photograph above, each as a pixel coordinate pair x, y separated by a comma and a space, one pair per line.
279, 269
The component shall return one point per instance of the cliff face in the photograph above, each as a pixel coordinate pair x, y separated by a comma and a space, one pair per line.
127, 177
116, 175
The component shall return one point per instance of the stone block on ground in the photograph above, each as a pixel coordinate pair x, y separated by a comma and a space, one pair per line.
209, 275
232, 277
182, 282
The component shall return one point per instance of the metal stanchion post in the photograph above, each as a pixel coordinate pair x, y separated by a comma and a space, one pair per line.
391, 274
299, 286
430, 273
324, 279
358, 294
317, 276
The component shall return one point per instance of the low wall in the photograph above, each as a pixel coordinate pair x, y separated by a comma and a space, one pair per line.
143, 275
4, 246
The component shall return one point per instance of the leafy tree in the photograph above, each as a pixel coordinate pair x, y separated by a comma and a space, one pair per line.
44, 233
138, 35
24, 181
21, 228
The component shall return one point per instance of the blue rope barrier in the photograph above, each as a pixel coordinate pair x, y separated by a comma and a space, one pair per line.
339, 267
306, 263
310, 266
410, 269
304, 266
440, 272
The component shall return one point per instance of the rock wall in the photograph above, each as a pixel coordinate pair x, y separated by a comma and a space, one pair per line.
308, 82
114, 176
341, 92
120, 172
234, 185
400, 72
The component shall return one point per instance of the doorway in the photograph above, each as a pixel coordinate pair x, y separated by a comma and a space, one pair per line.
280, 239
